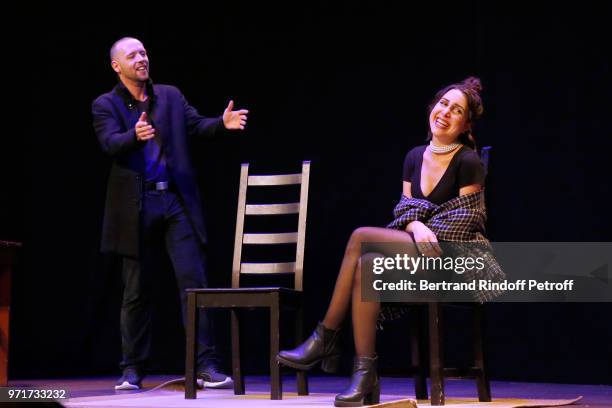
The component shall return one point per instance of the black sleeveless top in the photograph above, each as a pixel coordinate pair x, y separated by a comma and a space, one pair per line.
464, 169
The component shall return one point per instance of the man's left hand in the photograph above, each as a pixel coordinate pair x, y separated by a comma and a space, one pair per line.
234, 119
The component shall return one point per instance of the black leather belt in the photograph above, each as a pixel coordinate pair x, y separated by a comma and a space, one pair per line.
157, 186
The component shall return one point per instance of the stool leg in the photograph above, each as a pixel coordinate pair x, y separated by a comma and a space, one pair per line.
416, 355
236, 369
277, 390
192, 339
435, 354
482, 381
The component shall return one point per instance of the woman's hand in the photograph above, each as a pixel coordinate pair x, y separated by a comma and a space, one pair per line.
424, 238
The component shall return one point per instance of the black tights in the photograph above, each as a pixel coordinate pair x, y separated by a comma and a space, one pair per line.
348, 289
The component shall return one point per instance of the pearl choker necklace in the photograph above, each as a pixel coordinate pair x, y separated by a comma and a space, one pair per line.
442, 149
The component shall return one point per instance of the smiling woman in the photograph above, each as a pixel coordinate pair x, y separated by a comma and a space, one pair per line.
449, 166
464, 108
448, 170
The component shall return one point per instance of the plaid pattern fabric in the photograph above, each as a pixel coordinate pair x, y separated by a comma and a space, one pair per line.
461, 219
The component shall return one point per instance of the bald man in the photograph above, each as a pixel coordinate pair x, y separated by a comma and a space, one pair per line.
153, 200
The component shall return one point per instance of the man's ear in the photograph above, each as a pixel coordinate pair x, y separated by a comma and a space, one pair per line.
115, 66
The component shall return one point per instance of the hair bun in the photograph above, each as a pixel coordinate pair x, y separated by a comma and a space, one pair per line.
473, 83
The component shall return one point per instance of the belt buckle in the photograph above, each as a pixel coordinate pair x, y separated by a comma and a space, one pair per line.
161, 185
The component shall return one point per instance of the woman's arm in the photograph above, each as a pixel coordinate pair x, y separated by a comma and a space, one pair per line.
424, 238
472, 188
406, 189
471, 175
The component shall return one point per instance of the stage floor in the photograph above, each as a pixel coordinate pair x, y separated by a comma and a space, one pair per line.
99, 392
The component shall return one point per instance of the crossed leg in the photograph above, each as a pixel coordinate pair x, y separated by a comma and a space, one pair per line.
348, 287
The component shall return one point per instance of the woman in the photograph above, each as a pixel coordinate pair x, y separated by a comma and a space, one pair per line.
437, 173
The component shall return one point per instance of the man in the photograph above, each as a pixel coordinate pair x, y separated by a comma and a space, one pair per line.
152, 197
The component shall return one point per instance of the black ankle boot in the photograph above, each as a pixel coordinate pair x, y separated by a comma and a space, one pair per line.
364, 388
322, 345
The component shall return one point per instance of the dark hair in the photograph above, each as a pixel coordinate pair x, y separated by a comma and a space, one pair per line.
471, 88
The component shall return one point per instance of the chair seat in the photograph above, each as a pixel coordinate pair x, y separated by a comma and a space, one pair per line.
258, 289
247, 297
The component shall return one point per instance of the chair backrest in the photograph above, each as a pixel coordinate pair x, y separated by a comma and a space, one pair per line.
298, 237
485, 155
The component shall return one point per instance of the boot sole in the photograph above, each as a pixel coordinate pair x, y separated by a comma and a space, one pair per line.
349, 404
298, 366
363, 402
325, 366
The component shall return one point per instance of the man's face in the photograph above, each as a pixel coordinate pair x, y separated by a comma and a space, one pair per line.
130, 61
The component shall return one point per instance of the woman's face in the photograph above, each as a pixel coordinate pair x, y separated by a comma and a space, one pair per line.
448, 118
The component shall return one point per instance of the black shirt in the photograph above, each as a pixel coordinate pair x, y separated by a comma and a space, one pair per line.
464, 169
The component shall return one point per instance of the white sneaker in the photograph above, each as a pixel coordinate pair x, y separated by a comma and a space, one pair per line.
211, 377
130, 380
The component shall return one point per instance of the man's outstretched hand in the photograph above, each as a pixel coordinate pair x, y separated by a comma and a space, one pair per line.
234, 119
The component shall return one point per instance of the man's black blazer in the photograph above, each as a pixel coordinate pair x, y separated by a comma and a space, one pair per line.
114, 117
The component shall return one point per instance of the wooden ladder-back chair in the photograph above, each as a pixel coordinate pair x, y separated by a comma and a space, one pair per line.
437, 371
273, 298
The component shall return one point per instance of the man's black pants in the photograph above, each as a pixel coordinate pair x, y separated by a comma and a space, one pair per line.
163, 219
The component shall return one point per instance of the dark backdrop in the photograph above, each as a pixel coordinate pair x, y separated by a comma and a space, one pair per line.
347, 88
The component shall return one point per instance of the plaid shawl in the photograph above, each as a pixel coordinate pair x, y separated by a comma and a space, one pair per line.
461, 219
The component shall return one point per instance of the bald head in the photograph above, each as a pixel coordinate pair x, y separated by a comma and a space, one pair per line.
129, 60
118, 45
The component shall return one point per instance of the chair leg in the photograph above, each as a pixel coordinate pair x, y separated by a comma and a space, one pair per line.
435, 353
482, 381
236, 369
192, 340
416, 355
302, 379
275, 379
